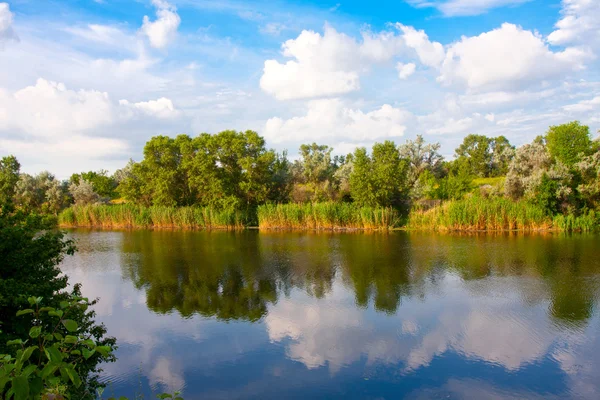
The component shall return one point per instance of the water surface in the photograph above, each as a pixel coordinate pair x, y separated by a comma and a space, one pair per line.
227, 315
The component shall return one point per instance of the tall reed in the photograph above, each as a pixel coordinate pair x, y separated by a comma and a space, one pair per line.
132, 216
326, 215
479, 213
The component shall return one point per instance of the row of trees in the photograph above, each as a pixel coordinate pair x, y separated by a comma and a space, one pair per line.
235, 170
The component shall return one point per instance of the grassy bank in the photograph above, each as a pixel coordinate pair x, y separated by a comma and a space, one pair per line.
131, 216
328, 215
496, 214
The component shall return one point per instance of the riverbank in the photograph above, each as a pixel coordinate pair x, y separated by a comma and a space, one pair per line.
470, 214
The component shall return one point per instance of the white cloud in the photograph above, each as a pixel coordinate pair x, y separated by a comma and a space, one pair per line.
506, 58
580, 24
584, 105
6, 24
429, 53
452, 8
331, 121
160, 108
71, 124
163, 30
405, 70
272, 28
325, 65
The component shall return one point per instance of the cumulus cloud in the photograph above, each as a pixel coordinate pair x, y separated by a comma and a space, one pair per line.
452, 8
330, 119
327, 64
580, 24
429, 53
405, 70
163, 30
584, 105
69, 124
506, 58
6, 24
160, 108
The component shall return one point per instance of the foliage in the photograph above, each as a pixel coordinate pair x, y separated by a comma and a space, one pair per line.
484, 156
381, 178
42, 193
84, 194
47, 361
102, 183
568, 143
421, 157
31, 250
133, 216
9, 176
327, 215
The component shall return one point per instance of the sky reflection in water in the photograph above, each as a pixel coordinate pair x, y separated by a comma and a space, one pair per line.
299, 315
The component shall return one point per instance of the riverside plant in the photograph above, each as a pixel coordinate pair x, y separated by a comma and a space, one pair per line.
482, 214
44, 365
326, 216
133, 216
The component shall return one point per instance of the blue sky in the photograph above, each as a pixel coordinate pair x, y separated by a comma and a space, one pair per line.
85, 83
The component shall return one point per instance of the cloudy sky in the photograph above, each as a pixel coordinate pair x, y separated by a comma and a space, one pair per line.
85, 83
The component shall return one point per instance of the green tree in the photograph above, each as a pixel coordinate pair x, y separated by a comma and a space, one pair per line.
475, 152
9, 176
569, 143
379, 179
102, 183
31, 250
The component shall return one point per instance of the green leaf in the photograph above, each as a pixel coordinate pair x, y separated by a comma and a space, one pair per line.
56, 313
48, 337
73, 376
89, 343
14, 342
164, 396
23, 312
88, 353
46, 309
70, 339
28, 370
58, 336
70, 325
104, 350
36, 385
54, 354
64, 304
27, 353
21, 387
75, 352
3, 381
49, 369
35, 331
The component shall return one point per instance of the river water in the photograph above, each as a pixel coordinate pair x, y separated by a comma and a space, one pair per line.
284, 315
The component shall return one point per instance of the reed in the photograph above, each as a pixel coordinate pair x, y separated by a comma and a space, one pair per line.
132, 216
482, 214
588, 222
326, 216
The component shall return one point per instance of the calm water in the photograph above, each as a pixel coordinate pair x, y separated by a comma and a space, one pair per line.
223, 315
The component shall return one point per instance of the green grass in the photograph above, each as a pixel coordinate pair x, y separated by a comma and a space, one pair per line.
478, 213
495, 181
131, 216
326, 215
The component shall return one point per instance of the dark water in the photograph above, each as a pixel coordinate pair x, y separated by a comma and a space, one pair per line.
305, 315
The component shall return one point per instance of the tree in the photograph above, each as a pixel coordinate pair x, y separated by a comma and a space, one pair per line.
316, 169
502, 153
31, 250
9, 176
421, 157
41, 193
485, 156
381, 179
83, 193
568, 143
102, 183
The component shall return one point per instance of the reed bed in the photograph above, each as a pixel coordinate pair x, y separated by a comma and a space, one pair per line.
132, 216
326, 216
588, 222
482, 214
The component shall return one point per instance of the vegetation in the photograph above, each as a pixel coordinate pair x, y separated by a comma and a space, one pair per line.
134, 216
327, 215
231, 180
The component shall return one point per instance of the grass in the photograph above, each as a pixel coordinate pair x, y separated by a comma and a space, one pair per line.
495, 181
326, 215
478, 213
131, 216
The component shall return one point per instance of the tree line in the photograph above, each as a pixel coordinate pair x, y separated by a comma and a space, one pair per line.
235, 170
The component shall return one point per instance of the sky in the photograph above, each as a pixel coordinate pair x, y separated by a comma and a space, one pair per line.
85, 83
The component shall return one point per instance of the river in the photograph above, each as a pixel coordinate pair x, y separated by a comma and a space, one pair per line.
285, 315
